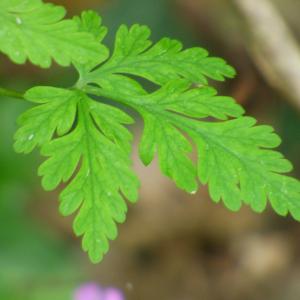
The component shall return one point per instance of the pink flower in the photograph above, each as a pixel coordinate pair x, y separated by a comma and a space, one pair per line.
92, 291
113, 294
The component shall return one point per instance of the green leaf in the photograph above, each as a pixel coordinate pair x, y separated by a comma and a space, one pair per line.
160, 63
88, 148
91, 22
31, 29
236, 160
234, 157
38, 124
171, 145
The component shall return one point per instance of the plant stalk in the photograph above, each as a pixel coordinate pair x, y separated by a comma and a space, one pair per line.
9, 93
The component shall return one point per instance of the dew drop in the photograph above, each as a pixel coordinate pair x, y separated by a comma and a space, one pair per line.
19, 20
31, 137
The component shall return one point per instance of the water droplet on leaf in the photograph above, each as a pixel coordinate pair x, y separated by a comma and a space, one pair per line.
19, 20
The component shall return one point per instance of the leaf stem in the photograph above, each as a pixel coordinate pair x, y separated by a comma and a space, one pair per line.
9, 93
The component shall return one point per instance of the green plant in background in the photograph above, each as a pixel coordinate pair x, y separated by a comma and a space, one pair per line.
88, 145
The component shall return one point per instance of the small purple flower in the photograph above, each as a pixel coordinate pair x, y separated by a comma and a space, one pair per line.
113, 294
92, 291
89, 291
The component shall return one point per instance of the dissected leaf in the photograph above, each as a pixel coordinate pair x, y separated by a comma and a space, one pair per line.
90, 154
234, 156
31, 29
162, 62
91, 22
88, 147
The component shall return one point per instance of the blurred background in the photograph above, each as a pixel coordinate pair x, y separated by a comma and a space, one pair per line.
173, 246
